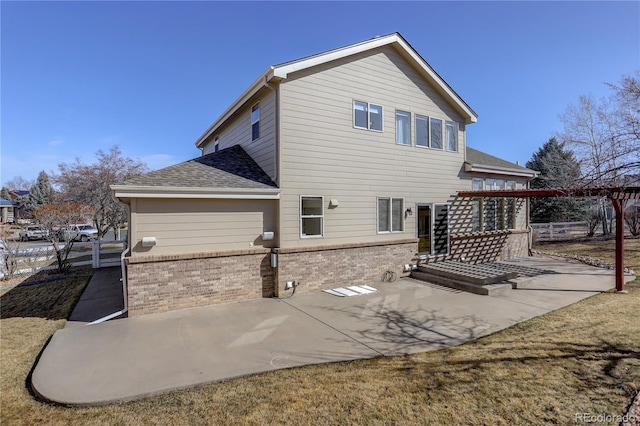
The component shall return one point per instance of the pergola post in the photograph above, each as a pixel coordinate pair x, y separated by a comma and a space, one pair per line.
619, 205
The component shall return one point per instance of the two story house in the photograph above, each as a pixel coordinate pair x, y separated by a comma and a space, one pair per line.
329, 170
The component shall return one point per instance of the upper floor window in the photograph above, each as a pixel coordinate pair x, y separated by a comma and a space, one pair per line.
452, 136
422, 131
216, 144
403, 127
255, 122
436, 132
367, 116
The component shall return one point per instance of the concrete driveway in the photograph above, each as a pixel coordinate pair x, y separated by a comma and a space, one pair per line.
135, 357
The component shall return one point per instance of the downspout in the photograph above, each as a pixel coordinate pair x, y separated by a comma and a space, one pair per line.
529, 228
123, 269
276, 93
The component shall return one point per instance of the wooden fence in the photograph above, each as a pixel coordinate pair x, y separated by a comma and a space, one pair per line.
98, 254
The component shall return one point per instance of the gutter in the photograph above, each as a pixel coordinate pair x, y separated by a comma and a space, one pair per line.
480, 168
124, 292
135, 191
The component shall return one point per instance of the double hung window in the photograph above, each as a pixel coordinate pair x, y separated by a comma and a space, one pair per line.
311, 216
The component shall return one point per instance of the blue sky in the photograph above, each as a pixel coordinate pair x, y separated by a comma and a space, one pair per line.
152, 76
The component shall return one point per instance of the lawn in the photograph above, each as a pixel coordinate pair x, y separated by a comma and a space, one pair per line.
584, 358
603, 249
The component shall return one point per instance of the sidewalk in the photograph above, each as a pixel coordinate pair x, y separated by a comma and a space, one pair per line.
132, 358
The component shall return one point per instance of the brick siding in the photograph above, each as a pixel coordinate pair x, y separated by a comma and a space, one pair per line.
325, 267
167, 282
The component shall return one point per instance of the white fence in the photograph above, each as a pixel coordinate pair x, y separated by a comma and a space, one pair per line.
559, 230
98, 254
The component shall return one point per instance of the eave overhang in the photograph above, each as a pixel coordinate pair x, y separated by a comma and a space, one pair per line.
127, 191
479, 168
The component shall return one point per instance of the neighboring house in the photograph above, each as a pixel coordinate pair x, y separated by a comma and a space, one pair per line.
6, 211
17, 198
329, 171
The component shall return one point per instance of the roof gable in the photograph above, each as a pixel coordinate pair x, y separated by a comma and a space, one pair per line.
281, 71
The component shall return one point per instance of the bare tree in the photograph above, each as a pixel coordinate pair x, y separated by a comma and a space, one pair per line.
18, 183
605, 133
54, 218
89, 184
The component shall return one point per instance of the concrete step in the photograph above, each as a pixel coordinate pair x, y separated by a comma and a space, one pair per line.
482, 289
473, 274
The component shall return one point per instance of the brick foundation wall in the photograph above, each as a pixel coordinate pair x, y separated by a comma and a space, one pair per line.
327, 267
167, 282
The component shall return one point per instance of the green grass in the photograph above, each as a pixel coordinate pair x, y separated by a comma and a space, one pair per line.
584, 358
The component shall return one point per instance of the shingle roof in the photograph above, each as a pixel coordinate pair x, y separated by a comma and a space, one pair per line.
4, 202
228, 168
479, 158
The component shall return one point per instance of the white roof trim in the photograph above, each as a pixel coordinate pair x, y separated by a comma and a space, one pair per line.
127, 191
479, 168
282, 71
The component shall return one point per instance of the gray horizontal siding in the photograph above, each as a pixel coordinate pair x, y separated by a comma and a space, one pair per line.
237, 131
191, 226
322, 154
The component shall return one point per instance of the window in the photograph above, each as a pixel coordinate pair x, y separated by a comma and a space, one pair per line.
311, 216
390, 215
422, 131
403, 128
255, 122
452, 136
367, 116
510, 207
433, 229
216, 144
493, 213
477, 207
436, 133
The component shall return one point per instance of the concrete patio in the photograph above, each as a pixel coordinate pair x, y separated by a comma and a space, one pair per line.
132, 358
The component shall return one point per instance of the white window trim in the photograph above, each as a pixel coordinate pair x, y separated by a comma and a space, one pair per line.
390, 231
311, 216
353, 116
257, 104
410, 130
216, 144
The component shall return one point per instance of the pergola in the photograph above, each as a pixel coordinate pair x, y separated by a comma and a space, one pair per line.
618, 195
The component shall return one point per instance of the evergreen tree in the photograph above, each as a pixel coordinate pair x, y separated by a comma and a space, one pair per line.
558, 168
4, 193
41, 192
